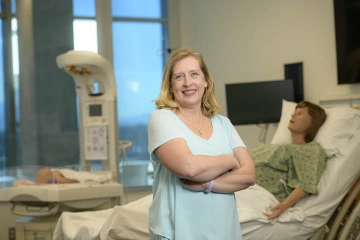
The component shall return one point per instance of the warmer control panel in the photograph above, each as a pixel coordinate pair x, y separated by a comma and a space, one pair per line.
96, 142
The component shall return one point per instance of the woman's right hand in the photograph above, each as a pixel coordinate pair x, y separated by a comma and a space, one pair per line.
193, 185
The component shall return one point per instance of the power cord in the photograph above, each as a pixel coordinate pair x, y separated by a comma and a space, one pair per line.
264, 131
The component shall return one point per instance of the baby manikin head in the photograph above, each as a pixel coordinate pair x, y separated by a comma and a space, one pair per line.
44, 175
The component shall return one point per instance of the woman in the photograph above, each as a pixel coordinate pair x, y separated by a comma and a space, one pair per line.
292, 171
189, 143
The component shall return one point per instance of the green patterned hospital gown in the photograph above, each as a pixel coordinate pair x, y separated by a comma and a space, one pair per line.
282, 168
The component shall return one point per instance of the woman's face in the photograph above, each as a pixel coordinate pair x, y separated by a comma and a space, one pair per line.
300, 121
188, 83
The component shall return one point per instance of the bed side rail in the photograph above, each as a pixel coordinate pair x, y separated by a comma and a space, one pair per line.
342, 215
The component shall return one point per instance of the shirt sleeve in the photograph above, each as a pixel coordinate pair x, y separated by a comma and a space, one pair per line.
162, 128
235, 139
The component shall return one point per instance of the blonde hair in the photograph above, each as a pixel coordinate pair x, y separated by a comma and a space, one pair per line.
209, 105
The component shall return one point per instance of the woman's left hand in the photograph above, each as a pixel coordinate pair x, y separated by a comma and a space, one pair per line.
192, 185
276, 211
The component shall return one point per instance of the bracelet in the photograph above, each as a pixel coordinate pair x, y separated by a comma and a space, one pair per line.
210, 186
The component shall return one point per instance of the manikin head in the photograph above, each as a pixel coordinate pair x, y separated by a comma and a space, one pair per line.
307, 120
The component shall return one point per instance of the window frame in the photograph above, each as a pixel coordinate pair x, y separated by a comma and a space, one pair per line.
11, 138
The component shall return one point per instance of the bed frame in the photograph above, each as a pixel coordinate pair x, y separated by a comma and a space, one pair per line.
346, 219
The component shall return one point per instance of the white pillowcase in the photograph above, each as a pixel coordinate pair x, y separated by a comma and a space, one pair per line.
283, 134
341, 122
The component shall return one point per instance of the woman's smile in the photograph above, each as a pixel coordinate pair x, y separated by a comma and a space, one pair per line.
189, 92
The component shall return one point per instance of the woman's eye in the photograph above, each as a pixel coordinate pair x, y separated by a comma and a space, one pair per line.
178, 77
194, 74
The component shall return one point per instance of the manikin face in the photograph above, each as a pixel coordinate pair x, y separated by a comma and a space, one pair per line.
188, 83
300, 121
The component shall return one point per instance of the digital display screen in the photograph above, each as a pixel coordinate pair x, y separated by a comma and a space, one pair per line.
263, 101
95, 110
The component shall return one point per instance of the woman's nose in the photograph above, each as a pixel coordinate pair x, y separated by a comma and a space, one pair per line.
187, 80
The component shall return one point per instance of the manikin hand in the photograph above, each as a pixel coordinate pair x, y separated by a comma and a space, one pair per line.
277, 210
192, 185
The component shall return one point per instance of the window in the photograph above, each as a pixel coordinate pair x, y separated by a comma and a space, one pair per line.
138, 65
84, 8
85, 35
139, 37
85, 27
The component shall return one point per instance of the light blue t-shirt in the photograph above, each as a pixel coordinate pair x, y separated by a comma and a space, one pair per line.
178, 213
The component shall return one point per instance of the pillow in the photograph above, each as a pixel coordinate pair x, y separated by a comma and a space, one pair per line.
341, 122
283, 134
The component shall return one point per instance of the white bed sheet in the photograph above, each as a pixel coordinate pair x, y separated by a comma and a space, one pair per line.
300, 222
80, 226
131, 219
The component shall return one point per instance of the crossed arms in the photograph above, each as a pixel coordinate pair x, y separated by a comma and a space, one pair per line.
231, 173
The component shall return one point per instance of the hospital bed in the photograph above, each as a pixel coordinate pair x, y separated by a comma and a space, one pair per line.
308, 219
99, 152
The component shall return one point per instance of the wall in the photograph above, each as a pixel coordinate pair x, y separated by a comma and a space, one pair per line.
250, 40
